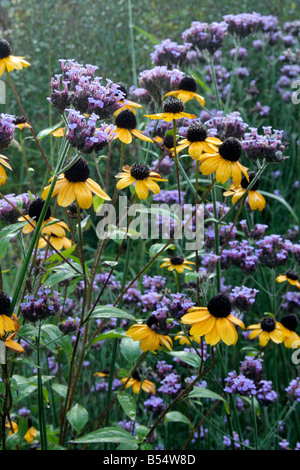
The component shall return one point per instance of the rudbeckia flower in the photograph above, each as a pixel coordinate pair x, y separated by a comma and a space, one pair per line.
126, 127
9, 340
8, 324
58, 242
173, 108
151, 335
60, 132
142, 177
177, 263
214, 321
3, 175
198, 141
126, 104
21, 123
187, 90
290, 323
8, 61
225, 162
76, 183
103, 373
255, 199
268, 329
137, 384
184, 340
291, 276
34, 212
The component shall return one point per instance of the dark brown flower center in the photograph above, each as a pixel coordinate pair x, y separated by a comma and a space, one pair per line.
79, 172
290, 322
173, 105
139, 171
219, 306
177, 260
136, 376
5, 49
188, 84
36, 207
245, 183
126, 120
4, 303
292, 275
231, 149
196, 132
122, 88
268, 324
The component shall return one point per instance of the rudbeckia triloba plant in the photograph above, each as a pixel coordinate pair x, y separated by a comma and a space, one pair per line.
8, 61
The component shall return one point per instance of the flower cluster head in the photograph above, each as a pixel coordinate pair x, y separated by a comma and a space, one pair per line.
159, 81
265, 393
243, 298
239, 384
230, 125
170, 53
252, 368
293, 389
243, 24
170, 385
84, 135
7, 212
70, 325
272, 250
269, 146
44, 305
154, 404
204, 36
7, 129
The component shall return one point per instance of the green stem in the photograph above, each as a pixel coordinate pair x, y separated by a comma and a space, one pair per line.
42, 421
176, 159
254, 420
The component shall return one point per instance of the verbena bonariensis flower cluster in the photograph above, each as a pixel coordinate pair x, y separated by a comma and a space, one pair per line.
111, 319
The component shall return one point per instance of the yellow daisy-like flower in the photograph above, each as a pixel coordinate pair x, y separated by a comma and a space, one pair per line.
3, 176
76, 183
60, 132
198, 141
225, 162
142, 177
150, 335
126, 127
268, 329
137, 384
58, 242
9, 340
214, 321
255, 199
103, 373
173, 108
8, 323
184, 340
21, 123
55, 226
126, 104
290, 323
187, 90
291, 277
8, 61
177, 263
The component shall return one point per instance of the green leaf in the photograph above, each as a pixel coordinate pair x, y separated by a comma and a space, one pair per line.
177, 417
45, 132
112, 334
154, 249
188, 357
130, 350
78, 417
127, 402
110, 434
200, 392
283, 202
151, 37
51, 333
60, 389
104, 311
141, 432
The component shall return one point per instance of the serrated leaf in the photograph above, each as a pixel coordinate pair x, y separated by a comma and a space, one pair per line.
77, 417
109, 434
127, 403
105, 311
200, 392
177, 417
187, 357
130, 350
112, 334
60, 389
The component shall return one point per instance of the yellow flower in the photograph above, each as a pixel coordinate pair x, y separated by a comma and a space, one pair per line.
290, 323
3, 176
8, 323
214, 321
126, 127
225, 162
150, 335
58, 242
198, 141
255, 199
29, 436
103, 373
187, 90
137, 384
177, 263
9, 340
268, 329
76, 183
21, 123
183, 339
173, 108
56, 227
126, 104
10, 62
143, 179
291, 276
60, 132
